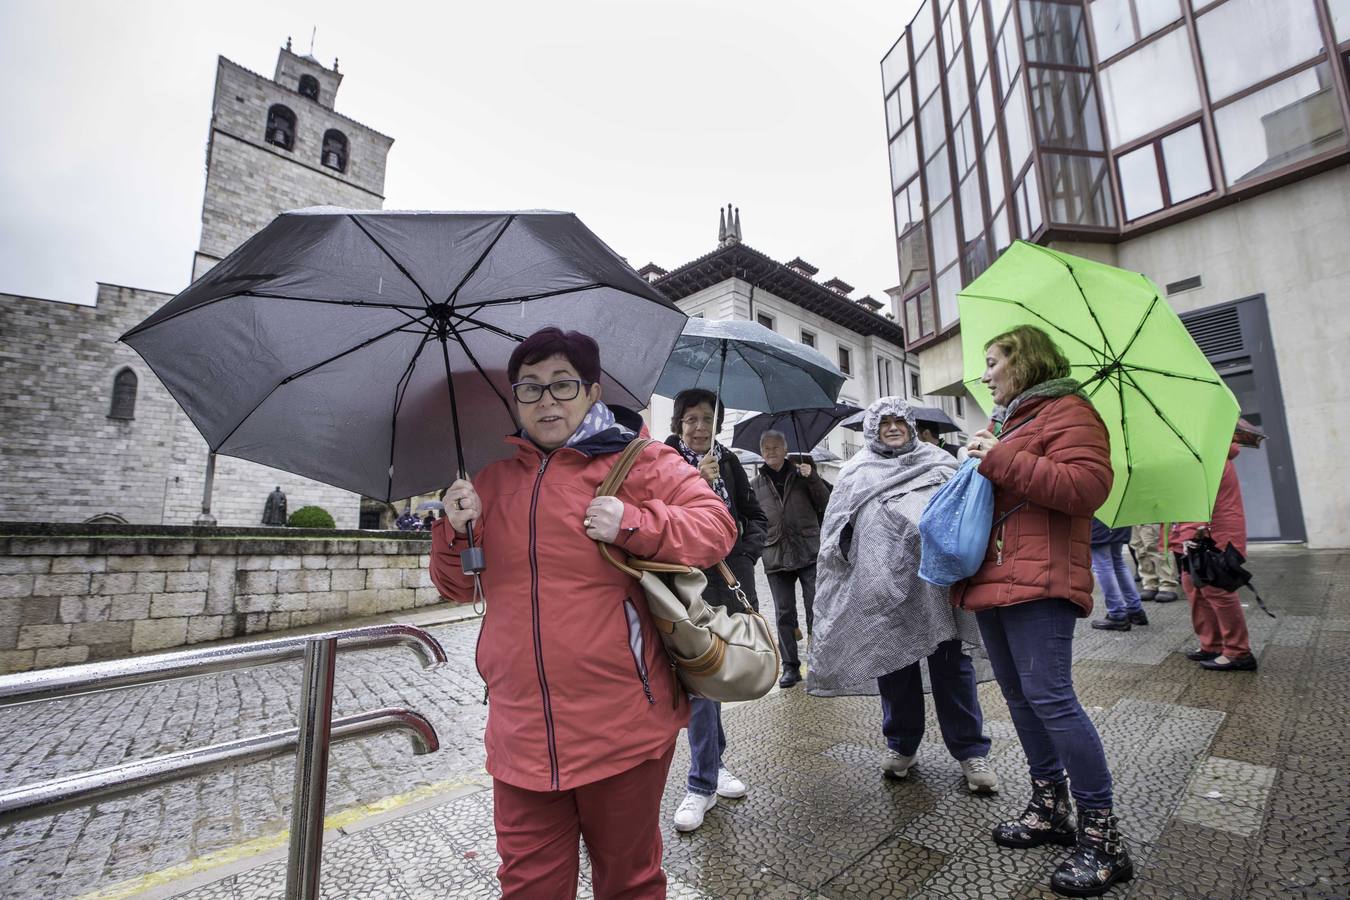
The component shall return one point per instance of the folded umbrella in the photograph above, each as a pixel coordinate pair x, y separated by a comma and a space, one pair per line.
1169, 414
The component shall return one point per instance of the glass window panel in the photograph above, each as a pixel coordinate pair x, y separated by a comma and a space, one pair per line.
937, 173
958, 88
1019, 130
1340, 18
1288, 121
1054, 33
963, 143
1079, 190
933, 126
908, 208
972, 210
1187, 167
1112, 26
892, 114
914, 258
976, 257
926, 72
1139, 185
943, 226
952, 37
911, 318
1031, 197
904, 157
1000, 233
1149, 88
985, 92
1064, 106
1009, 62
993, 171
979, 45
1155, 15
921, 27
1245, 41
906, 101
948, 283
999, 8
894, 65
926, 324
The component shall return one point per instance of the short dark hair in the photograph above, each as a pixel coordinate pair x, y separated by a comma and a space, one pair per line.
579, 349
691, 397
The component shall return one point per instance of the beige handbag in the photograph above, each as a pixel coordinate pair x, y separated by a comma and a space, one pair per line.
718, 655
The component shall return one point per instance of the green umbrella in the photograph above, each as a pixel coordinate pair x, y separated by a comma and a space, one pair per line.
1170, 416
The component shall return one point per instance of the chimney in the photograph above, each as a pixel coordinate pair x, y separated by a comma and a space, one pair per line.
840, 287
802, 267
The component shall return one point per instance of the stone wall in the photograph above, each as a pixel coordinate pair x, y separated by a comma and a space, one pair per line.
81, 594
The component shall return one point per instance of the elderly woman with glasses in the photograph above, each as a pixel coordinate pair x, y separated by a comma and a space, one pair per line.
695, 427
584, 708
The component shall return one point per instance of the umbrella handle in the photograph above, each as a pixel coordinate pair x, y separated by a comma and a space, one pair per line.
471, 559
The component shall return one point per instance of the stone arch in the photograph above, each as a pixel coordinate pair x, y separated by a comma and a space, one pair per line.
280, 126
123, 405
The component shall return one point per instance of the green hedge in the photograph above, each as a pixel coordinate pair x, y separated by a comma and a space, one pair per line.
311, 517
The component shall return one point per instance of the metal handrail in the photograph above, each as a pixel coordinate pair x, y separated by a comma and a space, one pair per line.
51, 797
90, 678
309, 741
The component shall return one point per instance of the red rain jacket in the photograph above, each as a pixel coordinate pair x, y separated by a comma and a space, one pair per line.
1228, 522
579, 684
1056, 457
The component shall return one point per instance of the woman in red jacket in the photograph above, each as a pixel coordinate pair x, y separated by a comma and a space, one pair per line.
584, 707
1049, 458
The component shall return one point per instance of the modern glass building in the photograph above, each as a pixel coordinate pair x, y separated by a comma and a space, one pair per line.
1197, 141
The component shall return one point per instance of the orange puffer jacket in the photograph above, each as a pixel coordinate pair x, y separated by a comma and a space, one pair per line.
1056, 459
579, 684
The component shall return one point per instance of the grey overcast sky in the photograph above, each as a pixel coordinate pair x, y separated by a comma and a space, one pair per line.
642, 116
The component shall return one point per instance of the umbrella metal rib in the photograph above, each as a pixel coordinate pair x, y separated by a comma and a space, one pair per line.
478, 262
1018, 303
398, 265
1081, 293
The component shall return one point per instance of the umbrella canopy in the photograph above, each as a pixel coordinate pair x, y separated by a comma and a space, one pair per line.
749, 457
804, 428
930, 414
749, 367
1169, 414
368, 349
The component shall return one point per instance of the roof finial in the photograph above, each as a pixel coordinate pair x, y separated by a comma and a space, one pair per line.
288, 43
738, 223
335, 60
721, 226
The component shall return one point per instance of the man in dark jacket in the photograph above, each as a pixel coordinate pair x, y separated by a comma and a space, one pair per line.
793, 498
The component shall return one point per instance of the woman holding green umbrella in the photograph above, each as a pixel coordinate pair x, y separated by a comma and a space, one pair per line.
1049, 458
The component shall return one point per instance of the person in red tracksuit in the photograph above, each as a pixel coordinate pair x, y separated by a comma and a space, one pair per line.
584, 707
1216, 614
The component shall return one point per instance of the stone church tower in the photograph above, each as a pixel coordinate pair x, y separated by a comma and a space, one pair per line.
89, 431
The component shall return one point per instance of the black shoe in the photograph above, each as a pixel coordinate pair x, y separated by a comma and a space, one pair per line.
1148, 594
1110, 624
1099, 861
1201, 655
1137, 618
790, 677
1241, 664
1048, 818
1165, 597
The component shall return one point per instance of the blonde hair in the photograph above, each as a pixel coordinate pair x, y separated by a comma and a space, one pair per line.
1032, 356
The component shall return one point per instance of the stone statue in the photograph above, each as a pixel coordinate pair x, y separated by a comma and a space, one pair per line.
274, 513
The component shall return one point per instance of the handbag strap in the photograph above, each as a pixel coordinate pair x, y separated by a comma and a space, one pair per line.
632, 565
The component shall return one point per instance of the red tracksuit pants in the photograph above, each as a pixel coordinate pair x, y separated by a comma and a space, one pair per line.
619, 818
1218, 620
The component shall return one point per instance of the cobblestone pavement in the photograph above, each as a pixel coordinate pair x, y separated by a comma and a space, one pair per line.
1229, 785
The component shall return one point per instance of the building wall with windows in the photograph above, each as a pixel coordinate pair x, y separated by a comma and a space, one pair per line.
70, 452
1159, 135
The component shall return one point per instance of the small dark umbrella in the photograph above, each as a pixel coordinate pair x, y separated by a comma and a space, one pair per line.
368, 349
804, 428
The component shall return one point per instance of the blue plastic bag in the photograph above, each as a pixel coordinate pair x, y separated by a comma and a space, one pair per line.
954, 528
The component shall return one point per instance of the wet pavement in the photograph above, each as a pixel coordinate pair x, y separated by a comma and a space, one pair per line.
1228, 785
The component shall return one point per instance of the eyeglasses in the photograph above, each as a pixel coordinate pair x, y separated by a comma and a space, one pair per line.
563, 389
696, 422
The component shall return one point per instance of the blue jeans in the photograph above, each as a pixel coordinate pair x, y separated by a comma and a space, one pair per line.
1030, 646
707, 743
1113, 574
958, 707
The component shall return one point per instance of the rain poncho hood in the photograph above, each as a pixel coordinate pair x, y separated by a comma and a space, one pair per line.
874, 615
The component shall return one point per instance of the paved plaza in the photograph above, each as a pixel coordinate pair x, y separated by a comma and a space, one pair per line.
1229, 785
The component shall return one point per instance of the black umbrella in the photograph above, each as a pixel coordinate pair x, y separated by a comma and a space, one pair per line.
368, 349
804, 428
932, 415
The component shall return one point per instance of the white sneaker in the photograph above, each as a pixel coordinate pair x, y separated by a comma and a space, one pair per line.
980, 779
690, 814
729, 785
896, 764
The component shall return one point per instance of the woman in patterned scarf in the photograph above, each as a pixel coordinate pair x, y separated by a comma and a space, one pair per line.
695, 428
876, 619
